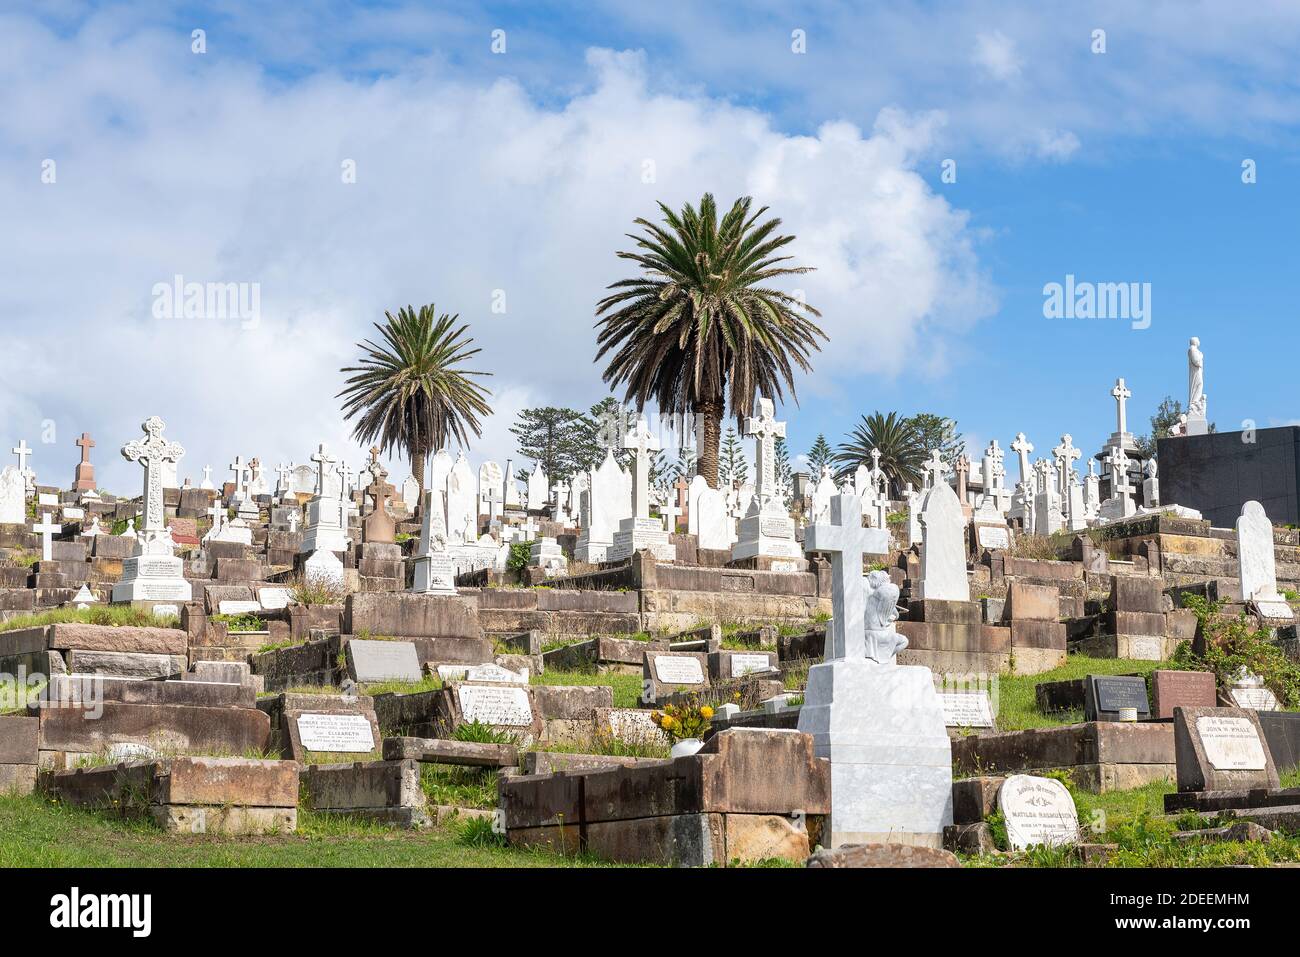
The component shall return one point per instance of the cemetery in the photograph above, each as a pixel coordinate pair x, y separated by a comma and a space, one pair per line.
619, 668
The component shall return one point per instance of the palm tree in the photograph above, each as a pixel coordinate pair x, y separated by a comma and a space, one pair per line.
411, 392
902, 452
700, 326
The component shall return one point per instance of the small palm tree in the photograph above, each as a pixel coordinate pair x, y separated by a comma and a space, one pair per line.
902, 453
700, 325
412, 392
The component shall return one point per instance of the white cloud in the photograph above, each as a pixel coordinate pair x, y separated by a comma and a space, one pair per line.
169, 163
995, 53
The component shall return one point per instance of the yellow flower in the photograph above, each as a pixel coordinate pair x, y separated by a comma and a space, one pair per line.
706, 712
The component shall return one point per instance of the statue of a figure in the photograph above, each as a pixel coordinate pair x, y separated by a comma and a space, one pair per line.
883, 642
1195, 379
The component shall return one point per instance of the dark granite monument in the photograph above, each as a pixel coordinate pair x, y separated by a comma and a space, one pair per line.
1217, 473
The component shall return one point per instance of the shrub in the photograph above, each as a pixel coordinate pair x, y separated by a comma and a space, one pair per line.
1231, 644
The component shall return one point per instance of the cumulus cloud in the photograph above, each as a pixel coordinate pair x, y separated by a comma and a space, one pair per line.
470, 194
995, 53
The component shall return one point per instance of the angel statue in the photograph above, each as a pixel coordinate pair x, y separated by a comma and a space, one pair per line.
883, 642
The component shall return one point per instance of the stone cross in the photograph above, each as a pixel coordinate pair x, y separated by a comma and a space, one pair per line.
282, 473
1066, 455
992, 467
218, 513
641, 441
240, 469
22, 451
936, 468
345, 479
1121, 394
46, 528
85, 443
323, 461
670, 510
765, 430
294, 519
561, 490
207, 477
845, 540
152, 452
1119, 485
1022, 447
530, 528
963, 474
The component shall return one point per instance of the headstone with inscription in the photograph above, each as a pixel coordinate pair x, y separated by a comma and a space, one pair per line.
369, 660
666, 672
1038, 812
966, 709
1181, 689
1221, 749
1104, 696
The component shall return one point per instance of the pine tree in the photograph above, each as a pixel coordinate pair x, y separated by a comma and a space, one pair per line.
732, 467
553, 437
819, 456
604, 425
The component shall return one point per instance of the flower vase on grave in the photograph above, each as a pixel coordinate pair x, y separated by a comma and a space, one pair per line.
686, 747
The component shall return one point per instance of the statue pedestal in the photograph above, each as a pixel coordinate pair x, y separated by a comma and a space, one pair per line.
1197, 425
883, 730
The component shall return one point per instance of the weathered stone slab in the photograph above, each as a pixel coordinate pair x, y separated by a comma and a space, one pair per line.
18, 739
407, 615
364, 784
155, 641
125, 664
1222, 749
370, 661
162, 727
443, 751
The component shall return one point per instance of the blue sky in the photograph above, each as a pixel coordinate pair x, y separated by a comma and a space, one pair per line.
518, 173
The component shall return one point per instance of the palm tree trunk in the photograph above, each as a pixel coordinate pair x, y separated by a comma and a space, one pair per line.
418, 460
710, 412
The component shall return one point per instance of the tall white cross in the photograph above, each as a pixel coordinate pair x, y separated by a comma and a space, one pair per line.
1066, 455
642, 442
218, 513
1119, 484
936, 468
323, 461
765, 430
207, 477
345, 478
670, 510
1121, 394
1022, 447
992, 467
47, 528
845, 540
561, 490
22, 451
152, 452
283, 472
239, 468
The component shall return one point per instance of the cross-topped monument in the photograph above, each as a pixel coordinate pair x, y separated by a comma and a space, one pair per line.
84, 479
845, 540
1022, 447
240, 469
641, 442
323, 461
153, 573
23, 452
152, 452
282, 473
765, 430
46, 528
936, 468
1066, 455
1121, 395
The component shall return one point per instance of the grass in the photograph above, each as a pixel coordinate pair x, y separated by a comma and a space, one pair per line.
427, 683
627, 688
120, 616
37, 833
459, 786
1018, 705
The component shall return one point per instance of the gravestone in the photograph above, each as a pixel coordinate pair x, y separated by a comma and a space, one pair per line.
1105, 695
369, 660
943, 549
1181, 689
508, 707
153, 572
1258, 565
665, 672
324, 531
1221, 749
462, 508
336, 732
434, 573
966, 709
707, 517
378, 527
84, 477
13, 496
538, 488
324, 569
609, 501
880, 723
766, 530
1037, 811
1248, 691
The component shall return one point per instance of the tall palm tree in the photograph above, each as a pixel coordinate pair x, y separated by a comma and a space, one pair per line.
412, 392
699, 325
902, 452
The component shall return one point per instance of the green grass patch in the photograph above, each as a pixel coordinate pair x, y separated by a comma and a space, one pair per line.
120, 616
427, 683
1018, 704
627, 688
37, 833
